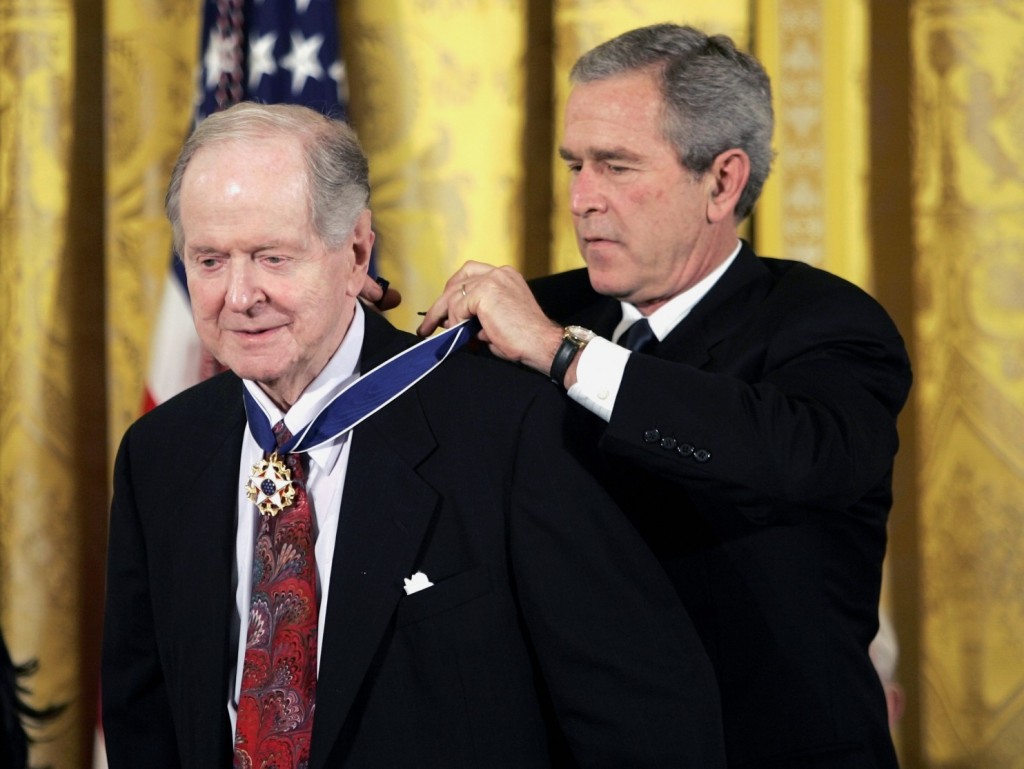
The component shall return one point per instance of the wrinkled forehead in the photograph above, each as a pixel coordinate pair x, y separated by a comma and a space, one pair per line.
278, 156
235, 170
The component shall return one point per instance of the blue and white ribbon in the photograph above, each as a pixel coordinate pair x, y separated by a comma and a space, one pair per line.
363, 397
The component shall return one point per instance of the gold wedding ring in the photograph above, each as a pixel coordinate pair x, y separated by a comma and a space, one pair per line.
464, 289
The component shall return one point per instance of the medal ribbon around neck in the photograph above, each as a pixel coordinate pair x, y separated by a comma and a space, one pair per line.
270, 480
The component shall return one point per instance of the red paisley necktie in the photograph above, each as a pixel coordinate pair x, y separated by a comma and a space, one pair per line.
275, 710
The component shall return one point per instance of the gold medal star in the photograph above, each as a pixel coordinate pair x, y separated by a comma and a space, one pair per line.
270, 485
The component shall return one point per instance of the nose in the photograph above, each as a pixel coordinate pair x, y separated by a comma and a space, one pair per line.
585, 194
243, 292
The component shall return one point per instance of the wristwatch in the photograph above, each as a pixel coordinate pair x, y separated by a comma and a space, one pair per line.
574, 339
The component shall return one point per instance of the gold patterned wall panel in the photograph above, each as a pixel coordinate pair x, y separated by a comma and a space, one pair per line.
582, 24
814, 206
151, 54
437, 92
39, 533
968, 108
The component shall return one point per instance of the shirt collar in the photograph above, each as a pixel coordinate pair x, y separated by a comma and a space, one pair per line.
339, 371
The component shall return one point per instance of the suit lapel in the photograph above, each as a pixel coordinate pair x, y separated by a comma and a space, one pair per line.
219, 486
716, 316
385, 510
202, 530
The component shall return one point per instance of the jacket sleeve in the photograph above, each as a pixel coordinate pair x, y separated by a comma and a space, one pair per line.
627, 675
137, 723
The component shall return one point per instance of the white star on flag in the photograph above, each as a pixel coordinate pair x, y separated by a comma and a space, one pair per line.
261, 58
219, 57
304, 60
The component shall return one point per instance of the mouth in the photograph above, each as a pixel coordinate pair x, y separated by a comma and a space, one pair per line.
590, 238
590, 242
253, 333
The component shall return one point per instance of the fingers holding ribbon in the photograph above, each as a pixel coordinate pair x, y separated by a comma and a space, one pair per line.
455, 303
513, 325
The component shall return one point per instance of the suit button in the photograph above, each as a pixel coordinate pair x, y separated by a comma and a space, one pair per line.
684, 449
652, 436
669, 444
702, 455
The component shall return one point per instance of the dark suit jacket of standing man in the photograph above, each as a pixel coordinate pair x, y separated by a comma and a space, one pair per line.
770, 520
550, 626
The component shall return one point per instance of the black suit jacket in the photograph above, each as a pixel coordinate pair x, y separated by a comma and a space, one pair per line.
753, 448
550, 637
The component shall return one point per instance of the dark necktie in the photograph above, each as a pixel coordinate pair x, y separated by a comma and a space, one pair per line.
638, 337
275, 710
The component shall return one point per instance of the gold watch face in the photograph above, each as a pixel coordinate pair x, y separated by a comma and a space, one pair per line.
579, 335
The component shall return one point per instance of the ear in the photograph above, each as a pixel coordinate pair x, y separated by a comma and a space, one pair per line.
362, 238
728, 178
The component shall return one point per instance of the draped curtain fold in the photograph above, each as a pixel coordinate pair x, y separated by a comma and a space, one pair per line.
968, 223
151, 55
814, 206
436, 98
52, 429
459, 106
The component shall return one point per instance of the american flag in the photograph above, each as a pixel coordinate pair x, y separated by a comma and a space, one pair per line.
270, 51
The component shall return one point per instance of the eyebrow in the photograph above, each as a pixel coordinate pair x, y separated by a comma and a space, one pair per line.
202, 249
602, 155
269, 246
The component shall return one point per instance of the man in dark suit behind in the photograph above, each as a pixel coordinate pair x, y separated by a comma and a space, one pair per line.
751, 437
482, 602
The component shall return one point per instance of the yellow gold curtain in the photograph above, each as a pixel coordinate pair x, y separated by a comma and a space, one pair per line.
51, 372
459, 105
814, 206
151, 58
968, 220
437, 95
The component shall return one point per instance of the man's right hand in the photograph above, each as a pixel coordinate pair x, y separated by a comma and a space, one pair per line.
514, 326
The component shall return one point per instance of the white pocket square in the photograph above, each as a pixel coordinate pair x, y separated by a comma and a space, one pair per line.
417, 582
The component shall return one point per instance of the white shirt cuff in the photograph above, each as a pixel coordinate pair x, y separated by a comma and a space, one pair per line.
598, 376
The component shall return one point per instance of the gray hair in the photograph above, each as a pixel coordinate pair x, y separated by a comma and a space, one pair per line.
716, 97
338, 180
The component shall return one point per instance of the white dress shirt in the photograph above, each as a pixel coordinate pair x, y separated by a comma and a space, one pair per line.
324, 484
602, 363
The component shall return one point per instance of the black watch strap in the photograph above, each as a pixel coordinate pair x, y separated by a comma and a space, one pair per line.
563, 359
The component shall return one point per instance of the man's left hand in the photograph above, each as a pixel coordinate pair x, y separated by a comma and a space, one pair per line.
378, 293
